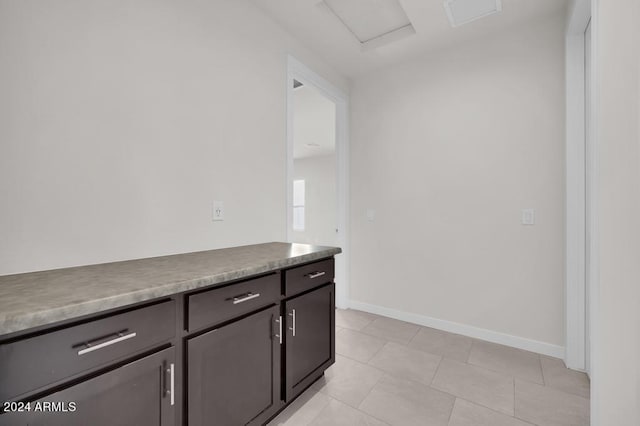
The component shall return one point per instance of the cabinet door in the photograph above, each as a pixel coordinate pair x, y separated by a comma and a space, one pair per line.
139, 393
310, 338
234, 372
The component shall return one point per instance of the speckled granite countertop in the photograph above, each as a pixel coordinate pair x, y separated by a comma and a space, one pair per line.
39, 298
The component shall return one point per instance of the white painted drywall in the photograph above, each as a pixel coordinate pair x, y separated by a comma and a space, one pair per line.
321, 209
447, 149
121, 122
314, 123
616, 326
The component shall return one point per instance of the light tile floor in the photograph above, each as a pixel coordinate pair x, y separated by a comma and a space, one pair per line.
389, 372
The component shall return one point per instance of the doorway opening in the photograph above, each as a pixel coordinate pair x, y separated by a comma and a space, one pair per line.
315, 197
317, 178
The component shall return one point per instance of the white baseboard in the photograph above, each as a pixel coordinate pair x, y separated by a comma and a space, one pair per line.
463, 329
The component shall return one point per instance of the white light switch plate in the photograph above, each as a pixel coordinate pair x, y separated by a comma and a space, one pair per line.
218, 211
528, 217
371, 215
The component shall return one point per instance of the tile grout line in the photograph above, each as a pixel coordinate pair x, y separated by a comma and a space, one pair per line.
321, 410
436, 372
367, 395
418, 327
286, 420
366, 325
544, 382
526, 353
356, 360
348, 405
466, 359
490, 409
514, 397
369, 321
382, 373
473, 343
384, 338
453, 407
502, 372
414, 336
366, 363
552, 388
378, 351
370, 358
409, 348
474, 402
415, 382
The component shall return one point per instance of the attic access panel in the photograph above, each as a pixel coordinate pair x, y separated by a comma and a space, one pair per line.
372, 22
464, 11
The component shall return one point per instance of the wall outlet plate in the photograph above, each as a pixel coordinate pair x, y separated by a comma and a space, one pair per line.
218, 211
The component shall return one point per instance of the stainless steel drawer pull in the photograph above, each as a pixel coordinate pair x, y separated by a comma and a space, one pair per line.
172, 391
90, 347
316, 274
279, 335
248, 296
293, 316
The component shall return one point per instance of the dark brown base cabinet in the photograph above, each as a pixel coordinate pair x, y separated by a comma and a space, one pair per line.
234, 372
310, 338
228, 355
138, 393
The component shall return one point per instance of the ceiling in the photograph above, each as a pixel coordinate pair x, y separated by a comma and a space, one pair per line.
314, 123
318, 28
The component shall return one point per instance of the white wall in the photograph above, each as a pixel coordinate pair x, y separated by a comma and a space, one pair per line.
121, 122
616, 374
447, 150
314, 122
321, 208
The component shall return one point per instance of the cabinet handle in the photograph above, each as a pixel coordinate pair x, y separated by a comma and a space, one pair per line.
172, 389
293, 315
248, 296
316, 274
89, 347
279, 335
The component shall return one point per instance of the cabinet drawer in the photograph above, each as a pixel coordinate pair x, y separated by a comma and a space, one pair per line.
309, 276
32, 363
225, 303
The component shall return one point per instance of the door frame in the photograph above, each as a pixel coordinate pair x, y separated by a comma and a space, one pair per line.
581, 164
299, 71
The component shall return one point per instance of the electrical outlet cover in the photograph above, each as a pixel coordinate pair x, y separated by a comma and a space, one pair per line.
218, 211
